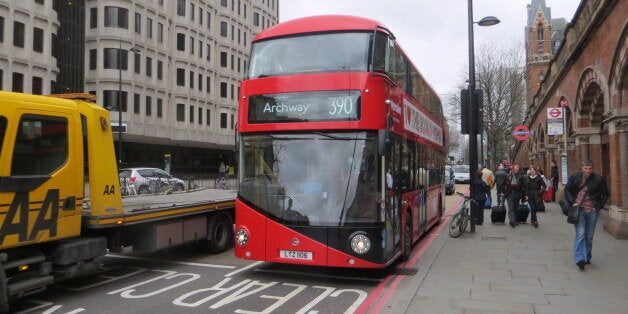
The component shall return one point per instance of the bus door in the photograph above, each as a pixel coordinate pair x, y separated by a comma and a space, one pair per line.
393, 197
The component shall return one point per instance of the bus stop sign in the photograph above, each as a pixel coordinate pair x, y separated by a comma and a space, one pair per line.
521, 132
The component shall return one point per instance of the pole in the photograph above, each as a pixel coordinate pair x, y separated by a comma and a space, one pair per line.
119, 103
473, 139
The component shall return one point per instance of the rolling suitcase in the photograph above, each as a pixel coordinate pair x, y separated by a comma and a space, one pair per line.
498, 213
548, 194
521, 215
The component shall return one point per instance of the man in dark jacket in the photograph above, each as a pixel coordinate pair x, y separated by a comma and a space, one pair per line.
481, 192
589, 192
500, 183
515, 192
554, 179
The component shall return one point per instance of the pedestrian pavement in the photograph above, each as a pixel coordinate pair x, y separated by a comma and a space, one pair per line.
501, 269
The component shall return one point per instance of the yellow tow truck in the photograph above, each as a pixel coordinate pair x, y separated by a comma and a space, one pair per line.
51, 149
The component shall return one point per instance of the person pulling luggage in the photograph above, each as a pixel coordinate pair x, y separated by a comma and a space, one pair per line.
534, 186
514, 192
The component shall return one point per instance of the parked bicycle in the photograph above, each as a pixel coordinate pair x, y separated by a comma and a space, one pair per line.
460, 220
192, 185
222, 184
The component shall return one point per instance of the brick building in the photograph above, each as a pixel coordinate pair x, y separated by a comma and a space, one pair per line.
588, 69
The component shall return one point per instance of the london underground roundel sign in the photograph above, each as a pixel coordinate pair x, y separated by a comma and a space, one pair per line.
521, 132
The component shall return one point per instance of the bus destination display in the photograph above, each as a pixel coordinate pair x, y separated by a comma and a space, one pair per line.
305, 107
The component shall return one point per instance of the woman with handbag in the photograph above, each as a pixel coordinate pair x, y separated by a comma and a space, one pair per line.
535, 185
589, 193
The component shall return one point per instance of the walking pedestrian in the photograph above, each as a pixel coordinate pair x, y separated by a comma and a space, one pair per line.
222, 171
480, 194
515, 191
500, 182
589, 192
554, 178
535, 186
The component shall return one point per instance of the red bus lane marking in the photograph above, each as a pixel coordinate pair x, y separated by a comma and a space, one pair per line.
378, 298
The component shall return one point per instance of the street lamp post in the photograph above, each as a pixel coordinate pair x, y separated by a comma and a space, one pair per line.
473, 125
119, 98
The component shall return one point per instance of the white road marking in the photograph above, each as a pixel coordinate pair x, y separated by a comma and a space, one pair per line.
243, 269
172, 262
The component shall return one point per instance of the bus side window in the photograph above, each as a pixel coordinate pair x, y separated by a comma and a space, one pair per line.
41, 145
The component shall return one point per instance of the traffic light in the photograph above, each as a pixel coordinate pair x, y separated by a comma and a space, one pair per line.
471, 121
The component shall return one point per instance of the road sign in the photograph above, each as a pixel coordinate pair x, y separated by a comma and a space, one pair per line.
521, 132
554, 113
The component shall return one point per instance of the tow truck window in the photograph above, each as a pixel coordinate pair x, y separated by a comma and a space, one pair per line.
3, 127
41, 145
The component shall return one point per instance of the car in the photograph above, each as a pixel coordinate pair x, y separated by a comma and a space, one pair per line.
449, 181
149, 180
461, 172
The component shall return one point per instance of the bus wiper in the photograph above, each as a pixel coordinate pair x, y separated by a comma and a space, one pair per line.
264, 75
334, 137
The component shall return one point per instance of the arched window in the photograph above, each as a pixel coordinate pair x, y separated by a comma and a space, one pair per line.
539, 31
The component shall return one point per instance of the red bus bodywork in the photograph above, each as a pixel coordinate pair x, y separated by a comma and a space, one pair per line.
380, 98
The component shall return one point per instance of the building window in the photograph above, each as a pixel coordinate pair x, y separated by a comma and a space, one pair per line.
539, 31
111, 58
255, 19
149, 27
149, 66
149, 105
180, 77
93, 17
1, 79
138, 23
37, 85
180, 41
200, 49
191, 45
191, 113
110, 100
200, 115
136, 103
223, 29
223, 89
93, 59
223, 120
160, 69
232, 121
232, 90
18, 82
208, 57
116, 17
160, 32
208, 116
208, 84
209, 20
160, 106
180, 112
191, 79
223, 3
137, 62
181, 7
200, 82
540, 48
200, 16
18, 34
223, 59
38, 39
192, 9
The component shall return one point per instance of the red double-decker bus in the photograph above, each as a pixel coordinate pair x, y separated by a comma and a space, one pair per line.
340, 147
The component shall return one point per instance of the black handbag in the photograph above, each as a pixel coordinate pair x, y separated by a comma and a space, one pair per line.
564, 206
573, 214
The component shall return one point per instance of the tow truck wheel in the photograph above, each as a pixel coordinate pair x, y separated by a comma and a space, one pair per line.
220, 229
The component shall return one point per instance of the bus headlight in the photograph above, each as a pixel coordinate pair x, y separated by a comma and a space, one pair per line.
360, 243
242, 237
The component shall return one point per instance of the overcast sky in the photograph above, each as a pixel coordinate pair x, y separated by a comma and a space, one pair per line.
434, 32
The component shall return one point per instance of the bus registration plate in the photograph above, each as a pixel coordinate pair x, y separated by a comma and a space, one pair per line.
300, 255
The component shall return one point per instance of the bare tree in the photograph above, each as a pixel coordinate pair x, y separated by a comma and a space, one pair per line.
500, 73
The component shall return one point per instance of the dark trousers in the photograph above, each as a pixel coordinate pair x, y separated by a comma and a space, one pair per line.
534, 206
513, 205
477, 211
